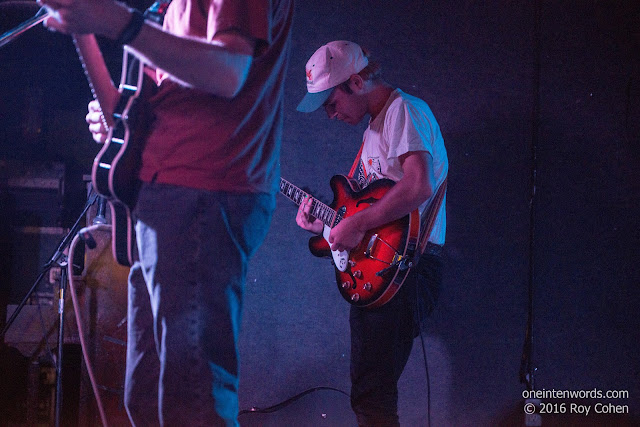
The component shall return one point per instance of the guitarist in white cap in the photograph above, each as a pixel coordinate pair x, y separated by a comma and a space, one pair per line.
403, 143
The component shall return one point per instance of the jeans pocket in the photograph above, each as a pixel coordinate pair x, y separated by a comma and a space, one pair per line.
249, 217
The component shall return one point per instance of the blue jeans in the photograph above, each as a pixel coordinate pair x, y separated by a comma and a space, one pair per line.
185, 303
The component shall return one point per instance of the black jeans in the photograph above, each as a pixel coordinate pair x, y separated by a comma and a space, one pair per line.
382, 339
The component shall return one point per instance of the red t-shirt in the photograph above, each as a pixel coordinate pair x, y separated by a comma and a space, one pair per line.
203, 141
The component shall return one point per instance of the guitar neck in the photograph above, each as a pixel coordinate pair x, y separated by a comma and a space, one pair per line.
96, 72
318, 209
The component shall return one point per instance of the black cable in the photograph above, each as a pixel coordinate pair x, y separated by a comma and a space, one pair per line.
426, 371
422, 316
283, 404
527, 368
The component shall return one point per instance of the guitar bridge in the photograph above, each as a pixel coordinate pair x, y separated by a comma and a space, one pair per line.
398, 260
371, 245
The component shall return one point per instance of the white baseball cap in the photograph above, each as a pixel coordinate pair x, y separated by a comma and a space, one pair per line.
329, 66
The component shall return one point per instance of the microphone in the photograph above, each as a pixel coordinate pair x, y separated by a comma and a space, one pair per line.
13, 34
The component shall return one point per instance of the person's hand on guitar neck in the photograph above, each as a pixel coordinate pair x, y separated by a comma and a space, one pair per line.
307, 221
96, 121
343, 236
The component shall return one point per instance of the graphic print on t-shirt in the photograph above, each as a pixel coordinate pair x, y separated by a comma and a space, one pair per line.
374, 166
365, 178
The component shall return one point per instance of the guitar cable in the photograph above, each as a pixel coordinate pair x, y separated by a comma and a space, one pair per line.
287, 402
426, 371
86, 232
421, 317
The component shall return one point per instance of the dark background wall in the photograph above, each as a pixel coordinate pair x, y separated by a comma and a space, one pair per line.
475, 64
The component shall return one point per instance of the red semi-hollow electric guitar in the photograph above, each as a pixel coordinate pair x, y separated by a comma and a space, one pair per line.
372, 273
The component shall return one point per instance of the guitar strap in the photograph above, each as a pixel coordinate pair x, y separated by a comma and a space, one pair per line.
356, 161
428, 217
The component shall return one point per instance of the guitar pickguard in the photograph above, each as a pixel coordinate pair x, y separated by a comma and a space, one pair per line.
340, 258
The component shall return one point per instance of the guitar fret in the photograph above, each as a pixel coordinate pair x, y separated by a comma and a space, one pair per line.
319, 210
324, 214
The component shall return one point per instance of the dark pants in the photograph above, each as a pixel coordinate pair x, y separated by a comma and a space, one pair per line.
382, 339
185, 303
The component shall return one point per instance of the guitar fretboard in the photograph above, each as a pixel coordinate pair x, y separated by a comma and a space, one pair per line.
318, 209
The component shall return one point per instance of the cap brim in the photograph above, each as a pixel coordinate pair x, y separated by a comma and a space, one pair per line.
313, 101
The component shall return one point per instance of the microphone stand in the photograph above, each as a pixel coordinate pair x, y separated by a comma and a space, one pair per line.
61, 260
58, 258
13, 34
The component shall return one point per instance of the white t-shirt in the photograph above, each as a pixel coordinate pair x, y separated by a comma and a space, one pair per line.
405, 124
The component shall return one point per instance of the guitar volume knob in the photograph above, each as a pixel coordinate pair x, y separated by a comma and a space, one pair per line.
355, 297
345, 285
367, 286
357, 274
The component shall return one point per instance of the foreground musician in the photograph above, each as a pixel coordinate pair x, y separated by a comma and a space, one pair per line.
209, 171
403, 143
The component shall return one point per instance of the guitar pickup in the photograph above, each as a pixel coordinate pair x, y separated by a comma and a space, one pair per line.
370, 245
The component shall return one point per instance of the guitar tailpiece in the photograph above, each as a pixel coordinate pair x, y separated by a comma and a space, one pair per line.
402, 266
383, 271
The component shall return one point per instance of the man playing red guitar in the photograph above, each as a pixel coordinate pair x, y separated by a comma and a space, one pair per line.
403, 143
210, 174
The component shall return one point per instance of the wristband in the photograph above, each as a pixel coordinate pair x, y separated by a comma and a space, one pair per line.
131, 31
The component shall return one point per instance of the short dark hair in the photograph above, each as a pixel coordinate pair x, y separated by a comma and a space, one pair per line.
344, 86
